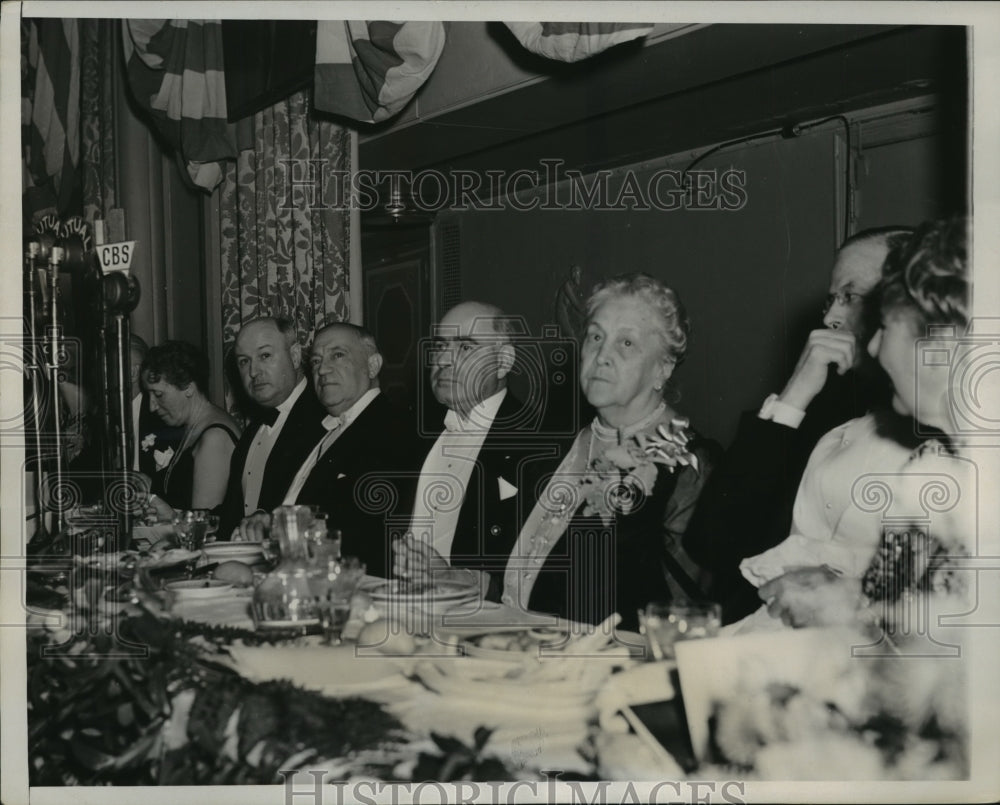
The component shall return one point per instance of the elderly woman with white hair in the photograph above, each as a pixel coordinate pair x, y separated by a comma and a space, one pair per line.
605, 533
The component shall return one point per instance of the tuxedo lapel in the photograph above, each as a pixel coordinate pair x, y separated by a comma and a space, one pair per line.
487, 526
349, 446
242, 448
376, 445
299, 435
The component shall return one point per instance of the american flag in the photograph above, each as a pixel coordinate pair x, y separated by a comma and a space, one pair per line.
175, 71
50, 114
573, 41
368, 71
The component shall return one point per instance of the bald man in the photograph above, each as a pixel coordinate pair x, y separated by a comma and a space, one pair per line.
283, 429
478, 476
746, 506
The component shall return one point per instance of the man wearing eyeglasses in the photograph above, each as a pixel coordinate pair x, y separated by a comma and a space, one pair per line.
474, 489
746, 506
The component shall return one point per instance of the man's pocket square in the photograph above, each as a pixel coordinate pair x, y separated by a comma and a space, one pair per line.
506, 490
340, 475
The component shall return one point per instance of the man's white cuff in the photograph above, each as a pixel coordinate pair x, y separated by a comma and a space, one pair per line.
780, 412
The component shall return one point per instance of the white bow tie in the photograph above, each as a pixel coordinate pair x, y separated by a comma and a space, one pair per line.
331, 422
454, 422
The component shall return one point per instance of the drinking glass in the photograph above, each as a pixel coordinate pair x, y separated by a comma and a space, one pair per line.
321, 549
333, 617
284, 601
289, 525
663, 625
333, 588
211, 523
190, 529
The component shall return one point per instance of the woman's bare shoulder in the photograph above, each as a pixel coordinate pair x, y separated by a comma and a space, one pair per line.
218, 431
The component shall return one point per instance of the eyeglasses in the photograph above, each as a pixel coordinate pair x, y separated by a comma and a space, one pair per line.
843, 298
462, 345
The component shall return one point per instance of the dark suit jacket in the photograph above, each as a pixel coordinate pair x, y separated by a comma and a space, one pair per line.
746, 506
299, 435
361, 480
487, 526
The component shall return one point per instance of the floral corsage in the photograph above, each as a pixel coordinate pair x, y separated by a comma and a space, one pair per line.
147, 442
622, 475
163, 458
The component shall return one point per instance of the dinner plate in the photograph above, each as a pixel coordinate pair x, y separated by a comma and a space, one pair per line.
199, 588
498, 681
516, 645
247, 552
175, 556
292, 628
447, 591
228, 548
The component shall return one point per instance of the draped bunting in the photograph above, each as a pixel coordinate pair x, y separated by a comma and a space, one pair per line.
574, 41
175, 69
368, 71
97, 116
283, 252
50, 115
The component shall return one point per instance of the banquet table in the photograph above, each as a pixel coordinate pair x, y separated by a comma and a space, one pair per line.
130, 685
545, 719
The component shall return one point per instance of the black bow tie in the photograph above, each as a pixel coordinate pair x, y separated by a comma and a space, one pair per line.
268, 416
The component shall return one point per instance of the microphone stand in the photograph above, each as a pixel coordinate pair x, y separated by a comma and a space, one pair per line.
55, 352
37, 390
120, 295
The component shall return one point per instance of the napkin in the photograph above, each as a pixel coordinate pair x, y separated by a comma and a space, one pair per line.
629, 757
331, 670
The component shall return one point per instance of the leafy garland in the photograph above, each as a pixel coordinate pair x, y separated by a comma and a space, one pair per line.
174, 717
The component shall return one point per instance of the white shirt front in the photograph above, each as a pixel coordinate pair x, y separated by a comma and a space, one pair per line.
444, 478
260, 450
136, 436
335, 426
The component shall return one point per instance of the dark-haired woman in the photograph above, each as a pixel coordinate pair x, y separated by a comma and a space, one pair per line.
175, 374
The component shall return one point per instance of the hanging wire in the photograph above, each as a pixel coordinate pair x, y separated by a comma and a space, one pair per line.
848, 175
716, 148
788, 132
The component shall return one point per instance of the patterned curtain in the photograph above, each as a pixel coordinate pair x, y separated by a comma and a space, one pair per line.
99, 40
281, 258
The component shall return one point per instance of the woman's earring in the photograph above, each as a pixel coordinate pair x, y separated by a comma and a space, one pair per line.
658, 388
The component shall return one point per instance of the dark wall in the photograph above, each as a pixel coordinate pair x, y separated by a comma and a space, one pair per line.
753, 279
185, 260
